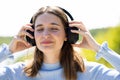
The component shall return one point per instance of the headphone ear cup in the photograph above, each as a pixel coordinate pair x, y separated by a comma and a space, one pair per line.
72, 37
31, 41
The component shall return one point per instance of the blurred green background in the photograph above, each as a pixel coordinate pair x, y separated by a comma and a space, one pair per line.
109, 34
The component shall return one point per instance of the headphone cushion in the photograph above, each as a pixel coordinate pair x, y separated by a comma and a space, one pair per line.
31, 41
72, 37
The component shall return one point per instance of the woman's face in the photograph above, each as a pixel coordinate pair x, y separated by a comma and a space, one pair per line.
49, 33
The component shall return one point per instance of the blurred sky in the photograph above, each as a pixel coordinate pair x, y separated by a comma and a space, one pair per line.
93, 13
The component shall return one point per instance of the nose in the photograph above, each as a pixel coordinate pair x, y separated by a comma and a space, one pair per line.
46, 33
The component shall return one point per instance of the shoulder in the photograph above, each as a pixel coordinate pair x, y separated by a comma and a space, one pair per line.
11, 71
94, 66
18, 64
95, 69
13, 67
17, 67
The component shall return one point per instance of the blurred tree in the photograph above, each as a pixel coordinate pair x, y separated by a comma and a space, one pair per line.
111, 35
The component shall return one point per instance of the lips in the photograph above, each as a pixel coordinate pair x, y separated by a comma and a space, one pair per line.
46, 42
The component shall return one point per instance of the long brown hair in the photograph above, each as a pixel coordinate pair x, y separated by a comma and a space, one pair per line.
71, 61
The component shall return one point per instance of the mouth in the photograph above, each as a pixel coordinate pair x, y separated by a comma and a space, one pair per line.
46, 42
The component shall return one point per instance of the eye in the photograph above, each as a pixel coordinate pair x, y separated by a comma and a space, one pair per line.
40, 29
54, 29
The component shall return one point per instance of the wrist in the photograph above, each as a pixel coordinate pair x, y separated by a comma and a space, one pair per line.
5, 49
97, 47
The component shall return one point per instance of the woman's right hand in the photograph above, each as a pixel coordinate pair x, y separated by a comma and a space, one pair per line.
87, 41
19, 42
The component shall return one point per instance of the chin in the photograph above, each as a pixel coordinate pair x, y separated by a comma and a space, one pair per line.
46, 49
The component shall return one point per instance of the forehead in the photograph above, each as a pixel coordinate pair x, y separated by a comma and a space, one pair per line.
47, 18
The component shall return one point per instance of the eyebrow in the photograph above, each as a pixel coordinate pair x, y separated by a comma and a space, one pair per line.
55, 24
50, 23
38, 25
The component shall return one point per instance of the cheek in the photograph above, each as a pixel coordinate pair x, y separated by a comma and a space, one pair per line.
37, 36
60, 39
61, 36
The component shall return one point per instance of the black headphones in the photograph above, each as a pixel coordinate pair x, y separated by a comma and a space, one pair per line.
71, 37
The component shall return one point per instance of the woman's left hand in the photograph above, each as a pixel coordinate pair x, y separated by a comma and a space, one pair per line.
87, 41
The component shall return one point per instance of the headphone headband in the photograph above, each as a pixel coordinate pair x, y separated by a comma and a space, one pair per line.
64, 10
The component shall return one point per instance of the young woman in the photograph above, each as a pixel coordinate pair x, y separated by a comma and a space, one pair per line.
54, 57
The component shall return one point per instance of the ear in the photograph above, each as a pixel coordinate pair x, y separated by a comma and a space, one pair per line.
65, 39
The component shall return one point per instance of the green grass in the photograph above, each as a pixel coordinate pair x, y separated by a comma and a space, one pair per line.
5, 40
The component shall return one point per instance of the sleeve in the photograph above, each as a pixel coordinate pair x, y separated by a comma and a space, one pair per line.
4, 73
109, 55
4, 52
12, 72
96, 71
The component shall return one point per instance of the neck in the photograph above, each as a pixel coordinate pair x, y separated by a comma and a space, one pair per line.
51, 58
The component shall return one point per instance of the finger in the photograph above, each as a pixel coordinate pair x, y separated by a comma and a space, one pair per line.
71, 22
27, 27
23, 35
29, 24
75, 45
79, 25
25, 43
83, 33
29, 35
23, 32
78, 45
22, 41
